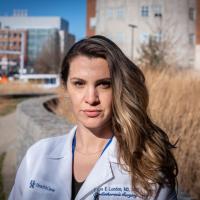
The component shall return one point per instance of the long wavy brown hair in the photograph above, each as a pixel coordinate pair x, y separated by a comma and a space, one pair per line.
143, 146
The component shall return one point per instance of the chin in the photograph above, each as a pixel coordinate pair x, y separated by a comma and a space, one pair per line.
93, 125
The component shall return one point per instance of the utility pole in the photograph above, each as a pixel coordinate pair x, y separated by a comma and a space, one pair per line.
132, 26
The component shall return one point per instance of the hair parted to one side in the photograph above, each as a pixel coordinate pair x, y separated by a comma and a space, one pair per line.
143, 146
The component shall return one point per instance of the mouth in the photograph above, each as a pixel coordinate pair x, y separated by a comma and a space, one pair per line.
92, 113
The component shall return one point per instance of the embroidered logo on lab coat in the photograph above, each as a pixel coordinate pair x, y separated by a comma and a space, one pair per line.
118, 192
40, 186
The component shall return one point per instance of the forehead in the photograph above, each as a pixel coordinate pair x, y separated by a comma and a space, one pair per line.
85, 67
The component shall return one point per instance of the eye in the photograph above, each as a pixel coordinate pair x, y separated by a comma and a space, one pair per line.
105, 84
78, 84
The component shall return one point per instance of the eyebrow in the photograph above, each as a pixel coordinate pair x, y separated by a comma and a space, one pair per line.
97, 81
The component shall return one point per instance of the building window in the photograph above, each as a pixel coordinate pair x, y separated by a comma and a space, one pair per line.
120, 12
157, 10
191, 14
192, 39
92, 22
3, 35
156, 37
109, 12
145, 11
144, 38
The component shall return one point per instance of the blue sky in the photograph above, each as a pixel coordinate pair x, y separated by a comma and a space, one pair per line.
72, 10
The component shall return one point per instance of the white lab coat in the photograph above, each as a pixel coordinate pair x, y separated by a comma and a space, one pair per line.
46, 173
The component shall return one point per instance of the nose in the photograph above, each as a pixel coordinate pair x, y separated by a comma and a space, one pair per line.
92, 96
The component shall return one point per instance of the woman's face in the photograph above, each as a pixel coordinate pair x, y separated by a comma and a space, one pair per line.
90, 91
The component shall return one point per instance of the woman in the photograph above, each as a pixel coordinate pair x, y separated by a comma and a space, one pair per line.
115, 151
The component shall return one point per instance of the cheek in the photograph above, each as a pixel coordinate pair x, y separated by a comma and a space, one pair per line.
74, 99
106, 101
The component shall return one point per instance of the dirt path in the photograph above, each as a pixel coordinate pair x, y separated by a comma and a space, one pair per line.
8, 143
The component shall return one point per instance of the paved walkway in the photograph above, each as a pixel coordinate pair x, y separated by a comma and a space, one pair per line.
8, 143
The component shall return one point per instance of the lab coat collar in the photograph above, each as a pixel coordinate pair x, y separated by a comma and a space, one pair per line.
64, 147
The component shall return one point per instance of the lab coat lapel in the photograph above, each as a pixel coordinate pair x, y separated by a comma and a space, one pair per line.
62, 155
101, 173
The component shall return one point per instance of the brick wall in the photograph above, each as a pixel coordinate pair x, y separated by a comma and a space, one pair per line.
91, 12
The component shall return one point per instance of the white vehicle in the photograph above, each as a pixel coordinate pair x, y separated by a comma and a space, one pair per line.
43, 80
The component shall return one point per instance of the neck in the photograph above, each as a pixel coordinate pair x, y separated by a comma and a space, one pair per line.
88, 141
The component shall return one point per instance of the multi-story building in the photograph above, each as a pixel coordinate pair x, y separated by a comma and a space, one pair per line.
40, 31
131, 23
14, 41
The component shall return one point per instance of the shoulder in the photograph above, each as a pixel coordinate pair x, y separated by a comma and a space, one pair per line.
47, 145
53, 147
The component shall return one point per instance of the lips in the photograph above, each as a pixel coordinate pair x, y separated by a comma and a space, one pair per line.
92, 113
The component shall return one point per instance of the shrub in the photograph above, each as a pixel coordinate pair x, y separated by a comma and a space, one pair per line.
2, 194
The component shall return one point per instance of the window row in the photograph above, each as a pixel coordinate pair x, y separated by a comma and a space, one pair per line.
156, 10
115, 12
144, 37
11, 44
10, 35
145, 10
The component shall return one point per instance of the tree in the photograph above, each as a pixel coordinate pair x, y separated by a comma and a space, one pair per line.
161, 48
154, 53
50, 57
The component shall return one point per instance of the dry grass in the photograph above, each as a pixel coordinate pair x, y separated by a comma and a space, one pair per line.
64, 107
20, 87
175, 107
8, 105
